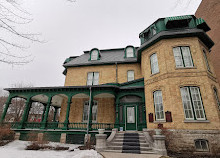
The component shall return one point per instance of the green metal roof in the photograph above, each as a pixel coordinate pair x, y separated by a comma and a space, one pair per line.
202, 24
166, 20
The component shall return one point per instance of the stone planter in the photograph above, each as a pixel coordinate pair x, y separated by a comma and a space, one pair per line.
101, 131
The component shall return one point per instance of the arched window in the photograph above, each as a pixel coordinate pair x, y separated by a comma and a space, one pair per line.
94, 54
154, 64
206, 61
192, 103
216, 97
129, 52
158, 105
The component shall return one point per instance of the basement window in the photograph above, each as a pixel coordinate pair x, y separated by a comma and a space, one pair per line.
201, 145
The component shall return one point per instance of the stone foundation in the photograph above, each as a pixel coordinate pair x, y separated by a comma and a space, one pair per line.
183, 141
17, 135
63, 138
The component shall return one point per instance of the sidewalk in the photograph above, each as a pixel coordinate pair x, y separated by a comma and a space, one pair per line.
128, 155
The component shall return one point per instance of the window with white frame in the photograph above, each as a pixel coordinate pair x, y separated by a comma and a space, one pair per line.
182, 56
216, 97
154, 30
201, 145
206, 61
130, 75
94, 54
154, 63
93, 78
158, 105
192, 103
129, 52
94, 111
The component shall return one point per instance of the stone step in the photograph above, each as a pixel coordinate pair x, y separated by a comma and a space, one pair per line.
121, 143
129, 140
131, 151
120, 151
140, 137
129, 147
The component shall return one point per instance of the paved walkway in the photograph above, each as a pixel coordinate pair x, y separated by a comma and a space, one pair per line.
128, 155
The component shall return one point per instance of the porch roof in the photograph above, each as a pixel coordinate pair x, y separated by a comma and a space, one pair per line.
135, 84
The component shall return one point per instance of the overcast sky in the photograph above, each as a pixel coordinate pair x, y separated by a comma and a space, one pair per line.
71, 28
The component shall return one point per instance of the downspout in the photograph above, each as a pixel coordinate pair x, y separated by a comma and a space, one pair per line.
90, 96
116, 70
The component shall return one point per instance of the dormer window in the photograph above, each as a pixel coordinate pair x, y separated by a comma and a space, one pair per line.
94, 54
177, 21
129, 52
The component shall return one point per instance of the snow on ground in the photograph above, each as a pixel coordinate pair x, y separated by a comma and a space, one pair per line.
16, 149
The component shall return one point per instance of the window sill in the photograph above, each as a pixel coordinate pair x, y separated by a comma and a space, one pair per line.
160, 121
196, 121
177, 68
154, 74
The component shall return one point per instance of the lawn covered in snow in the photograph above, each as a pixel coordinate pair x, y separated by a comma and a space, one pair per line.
16, 149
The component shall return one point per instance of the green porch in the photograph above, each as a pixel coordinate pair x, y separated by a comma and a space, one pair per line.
129, 107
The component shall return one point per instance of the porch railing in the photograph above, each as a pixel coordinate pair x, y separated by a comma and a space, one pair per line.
58, 125
80, 125
32, 125
107, 126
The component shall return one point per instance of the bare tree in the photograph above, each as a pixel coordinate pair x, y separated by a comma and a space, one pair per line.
3, 99
13, 41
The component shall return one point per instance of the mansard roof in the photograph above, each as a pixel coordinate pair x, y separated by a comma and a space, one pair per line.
108, 56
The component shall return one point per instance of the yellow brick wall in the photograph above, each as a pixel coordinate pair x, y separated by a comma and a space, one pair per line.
106, 110
170, 79
77, 76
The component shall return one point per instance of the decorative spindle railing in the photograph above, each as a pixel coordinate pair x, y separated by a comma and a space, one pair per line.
57, 125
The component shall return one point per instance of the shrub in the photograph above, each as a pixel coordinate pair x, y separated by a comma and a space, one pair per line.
6, 133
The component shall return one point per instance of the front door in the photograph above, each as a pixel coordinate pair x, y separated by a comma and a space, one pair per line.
131, 123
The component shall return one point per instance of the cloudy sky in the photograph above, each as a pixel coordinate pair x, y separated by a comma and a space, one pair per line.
71, 28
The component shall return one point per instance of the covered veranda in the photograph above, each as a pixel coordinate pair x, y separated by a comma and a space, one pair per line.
63, 97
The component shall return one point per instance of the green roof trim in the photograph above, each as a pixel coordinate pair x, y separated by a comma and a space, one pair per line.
185, 17
201, 24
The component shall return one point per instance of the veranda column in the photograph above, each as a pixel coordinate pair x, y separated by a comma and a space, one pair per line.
66, 122
55, 114
6, 108
42, 117
117, 113
26, 112
44, 123
90, 111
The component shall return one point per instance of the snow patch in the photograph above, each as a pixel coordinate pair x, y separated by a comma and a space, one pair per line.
16, 149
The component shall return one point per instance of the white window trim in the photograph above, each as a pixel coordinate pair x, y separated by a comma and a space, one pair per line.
87, 112
128, 76
151, 64
133, 52
206, 60
92, 78
192, 106
156, 119
91, 55
182, 58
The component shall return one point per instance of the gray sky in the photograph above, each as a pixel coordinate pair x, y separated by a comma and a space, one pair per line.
71, 28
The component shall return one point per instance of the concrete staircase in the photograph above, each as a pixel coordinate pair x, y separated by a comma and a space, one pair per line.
130, 142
